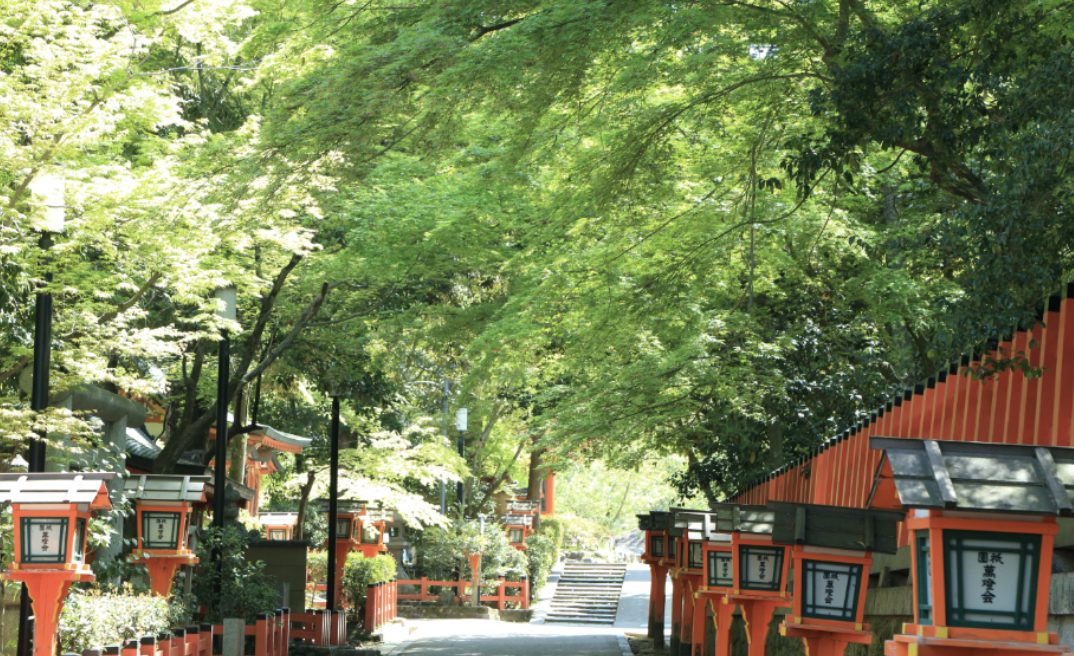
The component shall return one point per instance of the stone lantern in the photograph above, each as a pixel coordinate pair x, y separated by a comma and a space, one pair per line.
51, 512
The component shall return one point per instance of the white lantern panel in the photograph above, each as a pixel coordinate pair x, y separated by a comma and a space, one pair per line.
277, 534
160, 530
656, 546
343, 529
44, 539
830, 590
720, 574
695, 558
760, 568
991, 579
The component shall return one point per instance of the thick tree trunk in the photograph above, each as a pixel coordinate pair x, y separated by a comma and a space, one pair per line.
303, 501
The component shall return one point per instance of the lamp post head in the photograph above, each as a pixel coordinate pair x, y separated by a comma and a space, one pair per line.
228, 298
460, 419
48, 191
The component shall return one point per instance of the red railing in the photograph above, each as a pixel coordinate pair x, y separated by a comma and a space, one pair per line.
272, 635
380, 603
501, 597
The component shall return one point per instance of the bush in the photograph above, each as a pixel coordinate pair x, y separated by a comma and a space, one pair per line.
245, 588
317, 566
553, 528
360, 572
444, 550
93, 618
541, 557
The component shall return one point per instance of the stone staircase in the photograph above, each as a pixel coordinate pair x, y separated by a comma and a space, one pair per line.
587, 594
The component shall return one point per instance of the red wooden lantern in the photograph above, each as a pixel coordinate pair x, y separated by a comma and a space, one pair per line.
163, 504
655, 525
278, 525
759, 567
982, 526
832, 555
712, 550
51, 512
518, 527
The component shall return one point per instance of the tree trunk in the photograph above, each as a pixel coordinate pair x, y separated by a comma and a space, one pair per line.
303, 501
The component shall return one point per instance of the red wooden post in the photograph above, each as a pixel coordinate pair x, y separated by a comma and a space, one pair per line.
501, 591
164, 644
130, 648
370, 601
425, 589
205, 640
147, 646
261, 635
525, 592
190, 641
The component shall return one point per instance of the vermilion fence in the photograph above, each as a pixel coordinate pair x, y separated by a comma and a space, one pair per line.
380, 604
501, 597
272, 635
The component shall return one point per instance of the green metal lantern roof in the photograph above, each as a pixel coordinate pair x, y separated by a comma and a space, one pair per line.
835, 527
743, 518
978, 476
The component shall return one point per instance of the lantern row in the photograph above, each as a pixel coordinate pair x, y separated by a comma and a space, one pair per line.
981, 557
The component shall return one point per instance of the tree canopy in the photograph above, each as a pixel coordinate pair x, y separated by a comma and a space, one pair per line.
711, 230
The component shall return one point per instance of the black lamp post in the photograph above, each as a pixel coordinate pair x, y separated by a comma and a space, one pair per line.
226, 295
333, 505
51, 187
460, 424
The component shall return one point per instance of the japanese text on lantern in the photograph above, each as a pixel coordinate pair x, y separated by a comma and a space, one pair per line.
989, 561
829, 586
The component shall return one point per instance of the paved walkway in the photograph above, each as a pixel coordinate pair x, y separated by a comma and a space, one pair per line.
485, 638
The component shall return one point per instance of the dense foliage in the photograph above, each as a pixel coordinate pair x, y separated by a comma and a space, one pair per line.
711, 231
359, 573
93, 619
245, 589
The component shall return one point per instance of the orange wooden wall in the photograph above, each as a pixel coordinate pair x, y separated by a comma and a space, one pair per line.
1007, 408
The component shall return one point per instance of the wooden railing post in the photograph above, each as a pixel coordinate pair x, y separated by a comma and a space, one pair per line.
205, 642
130, 648
501, 591
164, 644
190, 641
261, 635
147, 646
525, 592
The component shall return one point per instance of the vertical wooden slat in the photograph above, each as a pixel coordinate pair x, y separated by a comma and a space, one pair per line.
1031, 388
1016, 392
1001, 394
956, 425
1043, 420
1064, 402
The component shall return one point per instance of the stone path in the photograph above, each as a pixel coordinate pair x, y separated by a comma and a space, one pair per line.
487, 638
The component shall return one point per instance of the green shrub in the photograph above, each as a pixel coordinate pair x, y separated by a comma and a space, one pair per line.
360, 572
94, 618
541, 557
245, 588
553, 528
317, 566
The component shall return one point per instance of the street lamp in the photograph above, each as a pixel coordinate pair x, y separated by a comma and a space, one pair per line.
460, 425
48, 191
226, 310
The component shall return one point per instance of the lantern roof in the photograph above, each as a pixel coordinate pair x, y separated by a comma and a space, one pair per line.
345, 506
976, 476
167, 488
512, 519
656, 520
701, 524
851, 529
743, 518
277, 518
83, 488
523, 506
